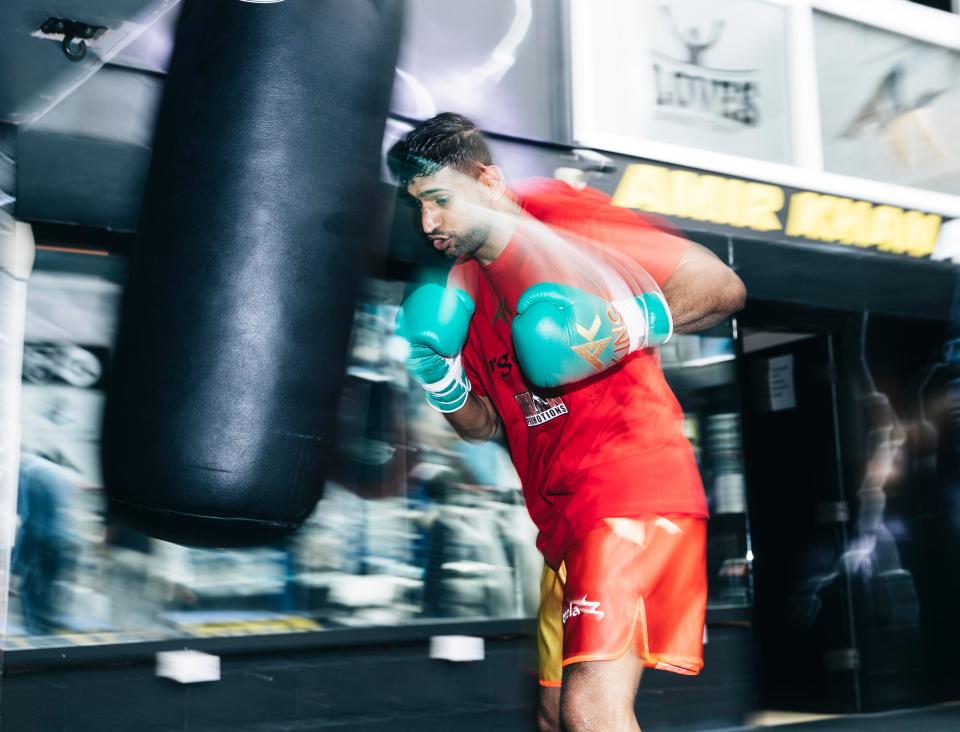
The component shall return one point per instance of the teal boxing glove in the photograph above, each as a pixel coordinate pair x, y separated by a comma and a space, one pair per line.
563, 334
434, 321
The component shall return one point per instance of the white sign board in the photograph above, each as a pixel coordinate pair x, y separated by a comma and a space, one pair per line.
696, 73
889, 105
783, 395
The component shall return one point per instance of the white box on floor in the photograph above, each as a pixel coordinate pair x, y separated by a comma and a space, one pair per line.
456, 648
188, 667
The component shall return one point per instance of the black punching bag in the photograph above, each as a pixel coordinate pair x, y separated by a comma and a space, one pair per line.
261, 200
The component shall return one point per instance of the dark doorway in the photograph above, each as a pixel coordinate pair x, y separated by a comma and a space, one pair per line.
807, 651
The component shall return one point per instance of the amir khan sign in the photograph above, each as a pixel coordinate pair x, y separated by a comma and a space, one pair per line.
783, 212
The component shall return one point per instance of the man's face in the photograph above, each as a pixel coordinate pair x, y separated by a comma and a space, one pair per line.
454, 211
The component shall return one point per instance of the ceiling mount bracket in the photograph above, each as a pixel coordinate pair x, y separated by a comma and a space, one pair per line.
75, 35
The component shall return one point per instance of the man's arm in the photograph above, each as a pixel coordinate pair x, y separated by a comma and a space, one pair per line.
476, 419
702, 291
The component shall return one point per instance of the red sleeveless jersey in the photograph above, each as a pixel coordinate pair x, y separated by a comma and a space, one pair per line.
612, 445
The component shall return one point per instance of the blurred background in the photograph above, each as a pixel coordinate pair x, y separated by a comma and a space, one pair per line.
811, 144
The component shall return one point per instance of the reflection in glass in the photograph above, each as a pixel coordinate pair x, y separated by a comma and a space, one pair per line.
700, 370
415, 525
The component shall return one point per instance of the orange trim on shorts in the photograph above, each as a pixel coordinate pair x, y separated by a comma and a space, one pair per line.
639, 615
550, 684
646, 638
677, 664
690, 667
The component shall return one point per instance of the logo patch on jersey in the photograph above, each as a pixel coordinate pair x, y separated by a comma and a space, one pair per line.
503, 311
537, 410
502, 363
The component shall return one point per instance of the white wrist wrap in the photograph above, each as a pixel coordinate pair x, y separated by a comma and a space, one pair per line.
454, 386
467, 386
454, 375
634, 320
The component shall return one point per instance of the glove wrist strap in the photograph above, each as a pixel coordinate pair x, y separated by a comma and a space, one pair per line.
634, 320
449, 393
453, 375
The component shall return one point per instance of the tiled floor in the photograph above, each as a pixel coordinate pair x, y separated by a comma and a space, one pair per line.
941, 718
944, 718
777, 718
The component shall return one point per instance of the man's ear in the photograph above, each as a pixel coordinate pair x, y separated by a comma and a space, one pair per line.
494, 184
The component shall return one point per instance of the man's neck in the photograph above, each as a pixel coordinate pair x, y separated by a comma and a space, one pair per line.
504, 224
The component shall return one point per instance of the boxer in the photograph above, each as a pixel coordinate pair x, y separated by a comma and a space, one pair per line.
546, 330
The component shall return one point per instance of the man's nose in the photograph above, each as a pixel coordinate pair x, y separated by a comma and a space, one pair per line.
429, 221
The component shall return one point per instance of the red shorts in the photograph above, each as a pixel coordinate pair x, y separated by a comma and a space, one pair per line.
637, 584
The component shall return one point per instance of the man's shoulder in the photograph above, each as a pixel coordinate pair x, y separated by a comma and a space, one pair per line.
548, 199
557, 203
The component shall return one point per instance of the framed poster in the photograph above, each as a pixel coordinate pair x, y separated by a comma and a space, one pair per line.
888, 105
694, 73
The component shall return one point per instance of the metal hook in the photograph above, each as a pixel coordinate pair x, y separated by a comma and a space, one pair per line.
74, 48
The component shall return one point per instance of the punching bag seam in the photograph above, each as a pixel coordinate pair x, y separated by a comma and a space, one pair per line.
181, 514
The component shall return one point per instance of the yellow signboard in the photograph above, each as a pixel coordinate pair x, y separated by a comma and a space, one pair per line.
764, 207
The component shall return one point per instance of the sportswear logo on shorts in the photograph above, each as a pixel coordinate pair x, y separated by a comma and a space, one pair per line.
537, 410
582, 607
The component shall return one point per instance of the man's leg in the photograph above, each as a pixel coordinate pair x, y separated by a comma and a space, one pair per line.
550, 648
548, 712
634, 595
599, 695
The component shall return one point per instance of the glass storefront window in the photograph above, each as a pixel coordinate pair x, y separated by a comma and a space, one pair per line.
701, 369
415, 525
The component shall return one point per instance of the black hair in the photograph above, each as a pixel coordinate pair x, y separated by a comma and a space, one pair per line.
448, 140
